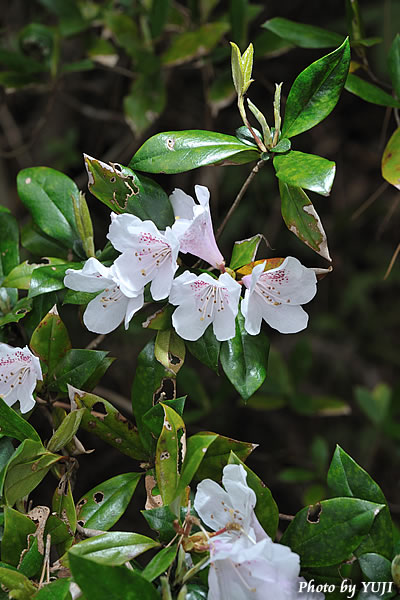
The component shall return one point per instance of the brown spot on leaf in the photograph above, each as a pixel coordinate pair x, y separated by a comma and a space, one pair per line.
98, 497
314, 512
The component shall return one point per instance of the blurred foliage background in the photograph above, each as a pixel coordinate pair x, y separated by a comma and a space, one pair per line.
101, 77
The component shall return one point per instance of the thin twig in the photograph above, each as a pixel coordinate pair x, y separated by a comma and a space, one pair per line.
284, 517
374, 196
238, 198
392, 261
96, 342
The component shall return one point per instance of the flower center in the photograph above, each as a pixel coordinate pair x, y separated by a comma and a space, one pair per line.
111, 295
155, 249
209, 298
265, 287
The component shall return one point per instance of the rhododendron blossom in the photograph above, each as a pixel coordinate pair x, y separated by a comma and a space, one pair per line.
244, 561
19, 372
112, 305
276, 296
147, 255
203, 300
193, 226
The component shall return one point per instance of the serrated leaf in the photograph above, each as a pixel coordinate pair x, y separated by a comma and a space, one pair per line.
303, 35
369, 92
306, 171
302, 219
316, 91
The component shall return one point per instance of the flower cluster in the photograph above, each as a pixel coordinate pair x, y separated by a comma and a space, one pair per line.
244, 561
149, 256
19, 372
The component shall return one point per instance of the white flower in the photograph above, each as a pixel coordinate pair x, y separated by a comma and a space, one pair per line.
147, 255
203, 300
113, 305
193, 226
19, 372
276, 296
244, 562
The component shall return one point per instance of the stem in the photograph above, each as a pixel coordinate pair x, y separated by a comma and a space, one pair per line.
245, 120
95, 342
392, 261
238, 198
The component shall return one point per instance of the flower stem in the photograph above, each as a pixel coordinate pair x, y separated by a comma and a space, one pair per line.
238, 198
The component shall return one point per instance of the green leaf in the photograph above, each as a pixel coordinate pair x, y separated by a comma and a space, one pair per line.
160, 563
6, 451
369, 92
103, 505
302, 219
375, 404
206, 349
154, 418
180, 151
63, 506
151, 379
13, 425
70, 17
112, 548
218, 455
55, 590
266, 509
196, 450
161, 520
20, 276
158, 16
305, 171
170, 454
244, 359
282, 146
391, 160
9, 242
331, 535
50, 278
170, 350
194, 44
40, 244
394, 64
48, 194
17, 527
18, 312
50, 340
105, 582
122, 190
375, 567
108, 424
237, 70
347, 478
66, 431
305, 36
316, 91
145, 102
17, 584
245, 251
80, 368
161, 319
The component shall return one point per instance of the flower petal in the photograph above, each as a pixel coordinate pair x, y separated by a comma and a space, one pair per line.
121, 231
106, 312
182, 204
162, 282
134, 304
94, 277
293, 281
188, 324
284, 318
212, 504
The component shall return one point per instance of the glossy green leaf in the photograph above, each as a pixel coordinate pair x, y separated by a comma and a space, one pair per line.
60, 531
6, 451
122, 190
331, 534
266, 509
194, 44
151, 379
305, 36
391, 160
55, 590
196, 591
50, 341
15, 426
50, 278
206, 349
161, 520
375, 567
305, 171
103, 505
40, 244
369, 92
170, 454
18, 312
170, 350
17, 584
180, 151
196, 450
47, 195
161, 319
244, 135
17, 527
160, 563
66, 431
113, 548
104, 420
106, 582
245, 251
145, 102
218, 455
80, 368
31, 562
20, 276
154, 418
302, 219
316, 91
347, 478
394, 64
26, 469
244, 359
38, 308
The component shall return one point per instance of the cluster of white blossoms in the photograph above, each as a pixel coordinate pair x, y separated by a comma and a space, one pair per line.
244, 562
19, 372
150, 256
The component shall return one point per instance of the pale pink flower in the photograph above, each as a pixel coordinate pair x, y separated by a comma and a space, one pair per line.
19, 372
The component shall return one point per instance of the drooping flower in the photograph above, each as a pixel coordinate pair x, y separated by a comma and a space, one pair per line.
19, 372
244, 562
147, 255
113, 304
203, 300
276, 296
193, 226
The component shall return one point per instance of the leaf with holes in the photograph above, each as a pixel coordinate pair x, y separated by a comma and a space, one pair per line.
15, 426
81, 368
302, 219
391, 160
170, 454
18, 312
50, 341
170, 350
180, 151
306, 171
266, 509
122, 190
103, 505
218, 454
332, 534
112, 548
245, 251
369, 92
244, 359
63, 504
104, 420
154, 418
